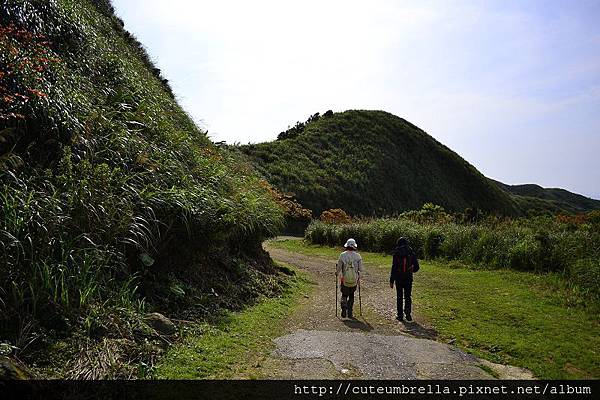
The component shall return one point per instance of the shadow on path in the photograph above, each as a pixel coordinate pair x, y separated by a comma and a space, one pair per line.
358, 324
417, 330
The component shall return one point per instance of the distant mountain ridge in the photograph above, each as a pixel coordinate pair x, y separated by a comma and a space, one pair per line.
553, 198
374, 163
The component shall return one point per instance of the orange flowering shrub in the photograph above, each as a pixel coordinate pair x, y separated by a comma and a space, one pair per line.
576, 220
24, 59
590, 219
290, 206
335, 216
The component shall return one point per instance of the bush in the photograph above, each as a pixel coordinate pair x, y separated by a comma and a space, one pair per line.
522, 256
457, 241
335, 216
433, 241
586, 273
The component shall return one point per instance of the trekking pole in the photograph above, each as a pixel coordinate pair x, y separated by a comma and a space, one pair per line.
359, 298
336, 289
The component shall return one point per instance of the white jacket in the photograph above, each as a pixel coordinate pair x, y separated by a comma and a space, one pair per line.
346, 258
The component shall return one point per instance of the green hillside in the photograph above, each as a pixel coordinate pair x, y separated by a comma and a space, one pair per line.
532, 196
375, 163
112, 202
372, 162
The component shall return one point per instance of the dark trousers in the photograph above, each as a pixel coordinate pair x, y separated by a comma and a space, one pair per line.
348, 298
404, 290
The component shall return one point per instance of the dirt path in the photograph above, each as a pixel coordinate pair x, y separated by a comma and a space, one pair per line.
374, 346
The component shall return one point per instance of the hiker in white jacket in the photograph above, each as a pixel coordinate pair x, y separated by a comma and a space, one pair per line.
348, 269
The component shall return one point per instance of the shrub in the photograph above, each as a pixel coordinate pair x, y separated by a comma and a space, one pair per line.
522, 256
457, 241
433, 241
586, 273
335, 216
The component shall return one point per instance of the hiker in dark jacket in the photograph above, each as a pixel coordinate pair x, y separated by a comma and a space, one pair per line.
404, 264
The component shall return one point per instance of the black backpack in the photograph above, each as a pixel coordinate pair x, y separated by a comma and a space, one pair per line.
405, 262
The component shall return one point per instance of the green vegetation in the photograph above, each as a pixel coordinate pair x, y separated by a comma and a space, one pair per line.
504, 316
537, 199
113, 204
563, 245
112, 201
372, 163
236, 345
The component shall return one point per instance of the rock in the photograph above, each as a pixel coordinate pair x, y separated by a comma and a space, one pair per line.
10, 369
160, 323
508, 371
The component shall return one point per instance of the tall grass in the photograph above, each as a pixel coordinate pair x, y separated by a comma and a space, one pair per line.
108, 190
539, 244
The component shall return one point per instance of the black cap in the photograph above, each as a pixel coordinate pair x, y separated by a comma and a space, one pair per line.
402, 242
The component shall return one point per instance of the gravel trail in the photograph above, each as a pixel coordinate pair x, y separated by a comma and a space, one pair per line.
320, 345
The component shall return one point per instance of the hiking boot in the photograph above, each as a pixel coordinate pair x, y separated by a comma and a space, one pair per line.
399, 318
343, 313
408, 318
350, 315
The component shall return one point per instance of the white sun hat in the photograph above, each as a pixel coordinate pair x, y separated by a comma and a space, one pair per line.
351, 243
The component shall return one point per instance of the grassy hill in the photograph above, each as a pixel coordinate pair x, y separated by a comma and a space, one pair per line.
113, 203
372, 162
531, 196
375, 163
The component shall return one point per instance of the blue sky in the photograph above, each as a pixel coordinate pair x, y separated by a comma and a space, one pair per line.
512, 86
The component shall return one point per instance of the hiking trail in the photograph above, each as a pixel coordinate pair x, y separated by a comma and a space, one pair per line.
375, 346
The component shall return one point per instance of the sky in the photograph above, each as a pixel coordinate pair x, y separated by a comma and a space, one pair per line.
511, 86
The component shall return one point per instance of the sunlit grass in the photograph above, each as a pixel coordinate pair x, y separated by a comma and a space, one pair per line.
236, 346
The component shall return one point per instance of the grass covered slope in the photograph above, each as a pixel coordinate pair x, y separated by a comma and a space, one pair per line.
112, 201
535, 197
236, 345
372, 163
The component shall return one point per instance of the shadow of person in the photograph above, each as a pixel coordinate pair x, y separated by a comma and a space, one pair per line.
417, 330
358, 324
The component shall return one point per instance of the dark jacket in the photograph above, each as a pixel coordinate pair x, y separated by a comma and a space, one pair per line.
404, 263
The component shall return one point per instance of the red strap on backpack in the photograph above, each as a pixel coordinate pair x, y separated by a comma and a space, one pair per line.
404, 265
